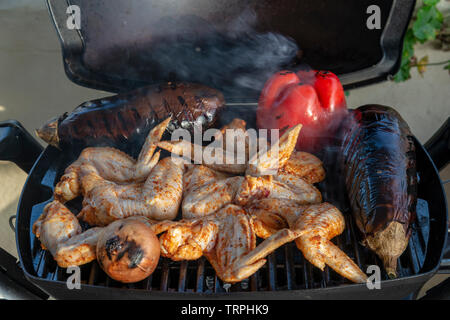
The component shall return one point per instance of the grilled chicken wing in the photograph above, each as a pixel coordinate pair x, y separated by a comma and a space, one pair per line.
304, 165
313, 226
56, 225
60, 232
111, 165
207, 190
188, 239
224, 238
206, 195
78, 250
158, 198
300, 164
115, 186
263, 161
276, 187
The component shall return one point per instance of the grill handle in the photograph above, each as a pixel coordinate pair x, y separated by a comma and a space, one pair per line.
13, 284
17, 145
439, 292
439, 146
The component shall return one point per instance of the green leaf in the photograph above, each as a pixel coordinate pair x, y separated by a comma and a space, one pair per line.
428, 22
402, 75
430, 2
408, 52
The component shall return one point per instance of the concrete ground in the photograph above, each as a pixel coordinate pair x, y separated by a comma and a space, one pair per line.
34, 88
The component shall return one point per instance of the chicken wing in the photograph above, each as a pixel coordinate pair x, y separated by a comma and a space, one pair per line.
207, 190
262, 161
224, 238
112, 165
276, 187
304, 165
60, 232
56, 225
78, 250
158, 198
313, 226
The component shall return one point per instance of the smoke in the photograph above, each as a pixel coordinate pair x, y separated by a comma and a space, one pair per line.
230, 63
232, 56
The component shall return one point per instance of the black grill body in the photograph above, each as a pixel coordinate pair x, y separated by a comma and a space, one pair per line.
286, 275
118, 43
331, 36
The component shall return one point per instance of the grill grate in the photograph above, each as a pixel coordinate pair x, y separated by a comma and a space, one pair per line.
286, 269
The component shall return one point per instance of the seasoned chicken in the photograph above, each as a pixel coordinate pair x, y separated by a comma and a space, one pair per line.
111, 165
313, 225
263, 161
59, 232
223, 214
79, 249
276, 187
207, 190
268, 160
115, 186
304, 165
227, 238
224, 238
300, 164
56, 225
159, 197
187, 239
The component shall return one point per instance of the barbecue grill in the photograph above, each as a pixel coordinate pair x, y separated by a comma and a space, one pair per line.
116, 48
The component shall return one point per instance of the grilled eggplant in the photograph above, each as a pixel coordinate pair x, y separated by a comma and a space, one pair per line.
379, 167
125, 119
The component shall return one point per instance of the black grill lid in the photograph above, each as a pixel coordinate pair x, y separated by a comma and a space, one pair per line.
233, 45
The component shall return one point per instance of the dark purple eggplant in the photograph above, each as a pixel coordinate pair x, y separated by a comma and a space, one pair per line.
379, 168
125, 119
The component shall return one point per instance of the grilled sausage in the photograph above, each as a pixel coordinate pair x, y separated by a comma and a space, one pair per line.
124, 120
379, 167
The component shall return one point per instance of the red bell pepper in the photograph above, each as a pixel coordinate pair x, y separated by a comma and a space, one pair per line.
315, 99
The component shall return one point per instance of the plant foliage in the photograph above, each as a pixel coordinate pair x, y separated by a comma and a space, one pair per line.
425, 27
